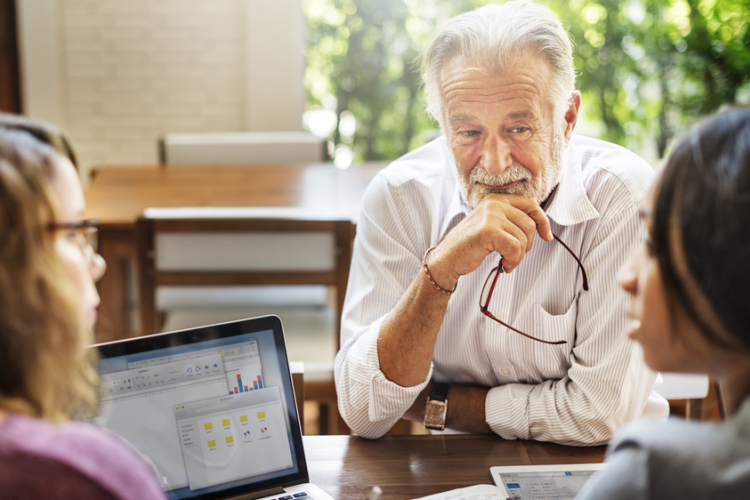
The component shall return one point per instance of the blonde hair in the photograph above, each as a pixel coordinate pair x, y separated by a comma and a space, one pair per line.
46, 371
493, 38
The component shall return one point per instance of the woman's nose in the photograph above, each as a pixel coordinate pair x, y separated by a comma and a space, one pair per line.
98, 266
627, 275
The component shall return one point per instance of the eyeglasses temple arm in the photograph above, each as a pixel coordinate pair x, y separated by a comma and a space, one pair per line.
580, 264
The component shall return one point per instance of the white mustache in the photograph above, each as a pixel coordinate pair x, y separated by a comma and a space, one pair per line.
513, 173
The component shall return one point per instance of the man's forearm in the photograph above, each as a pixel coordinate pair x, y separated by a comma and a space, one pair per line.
408, 335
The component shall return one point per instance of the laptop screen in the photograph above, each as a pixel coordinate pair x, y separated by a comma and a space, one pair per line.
212, 408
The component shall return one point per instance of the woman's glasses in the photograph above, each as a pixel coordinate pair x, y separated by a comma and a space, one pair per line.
85, 233
489, 288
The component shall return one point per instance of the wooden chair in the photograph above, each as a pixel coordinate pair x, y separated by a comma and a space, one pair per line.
692, 389
246, 246
242, 148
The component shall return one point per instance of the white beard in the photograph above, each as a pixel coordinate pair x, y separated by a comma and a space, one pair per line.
538, 188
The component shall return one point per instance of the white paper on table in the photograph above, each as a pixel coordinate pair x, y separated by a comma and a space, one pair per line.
477, 492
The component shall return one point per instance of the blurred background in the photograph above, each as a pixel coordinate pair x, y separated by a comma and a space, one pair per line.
646, 68
119, 74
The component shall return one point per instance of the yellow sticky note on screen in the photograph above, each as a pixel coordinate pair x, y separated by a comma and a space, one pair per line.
208, 426
211, 443
243, 418
261, 414
229, 439
225, 422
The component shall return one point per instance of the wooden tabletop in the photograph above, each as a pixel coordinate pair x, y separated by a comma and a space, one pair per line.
118, 195
412, 466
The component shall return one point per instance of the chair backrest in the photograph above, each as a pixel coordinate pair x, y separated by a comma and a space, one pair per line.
242, 148
243, 246
690, 387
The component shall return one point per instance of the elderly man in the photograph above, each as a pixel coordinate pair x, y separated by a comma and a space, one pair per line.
457, 313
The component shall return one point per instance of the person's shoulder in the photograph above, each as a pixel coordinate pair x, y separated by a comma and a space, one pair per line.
91, 451
611, 169
682, 459
421, 165
598, 154
420, 178
675, 437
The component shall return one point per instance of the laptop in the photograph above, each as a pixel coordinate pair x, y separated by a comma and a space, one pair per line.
211, 408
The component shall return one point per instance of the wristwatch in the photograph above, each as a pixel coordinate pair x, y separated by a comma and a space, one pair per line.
437, 407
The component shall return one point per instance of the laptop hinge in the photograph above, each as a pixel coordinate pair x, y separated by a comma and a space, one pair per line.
262, 493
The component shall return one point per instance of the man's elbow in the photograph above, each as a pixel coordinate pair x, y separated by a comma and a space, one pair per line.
362, 426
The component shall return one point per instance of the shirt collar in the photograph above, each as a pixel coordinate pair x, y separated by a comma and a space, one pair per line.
569, 204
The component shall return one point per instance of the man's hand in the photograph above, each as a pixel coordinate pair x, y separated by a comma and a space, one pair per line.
502, 223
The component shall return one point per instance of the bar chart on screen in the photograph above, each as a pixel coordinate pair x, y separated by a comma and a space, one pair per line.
245, 379
244, 382
243, 368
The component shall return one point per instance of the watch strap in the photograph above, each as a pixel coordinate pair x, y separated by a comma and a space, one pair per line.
439, 391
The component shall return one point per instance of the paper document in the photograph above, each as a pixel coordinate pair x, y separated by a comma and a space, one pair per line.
478, 492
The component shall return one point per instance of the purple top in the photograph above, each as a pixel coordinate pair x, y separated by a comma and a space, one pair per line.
76, 460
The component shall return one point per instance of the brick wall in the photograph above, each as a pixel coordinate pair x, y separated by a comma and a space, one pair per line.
134, 70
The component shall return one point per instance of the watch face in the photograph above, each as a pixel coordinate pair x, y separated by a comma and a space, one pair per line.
434, 417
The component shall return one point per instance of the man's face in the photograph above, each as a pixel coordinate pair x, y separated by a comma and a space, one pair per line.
501, 129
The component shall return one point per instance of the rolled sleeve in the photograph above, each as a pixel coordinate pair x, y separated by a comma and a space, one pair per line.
369, 402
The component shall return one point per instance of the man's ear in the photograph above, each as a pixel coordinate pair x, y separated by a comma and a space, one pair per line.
571, 114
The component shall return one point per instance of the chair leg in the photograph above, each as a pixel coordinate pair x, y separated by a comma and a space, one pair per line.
323, 424
694, 409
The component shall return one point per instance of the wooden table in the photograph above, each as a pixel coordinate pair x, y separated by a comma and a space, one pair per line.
412, 466
118, 195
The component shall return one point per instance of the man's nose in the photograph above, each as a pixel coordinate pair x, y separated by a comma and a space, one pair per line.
497, 155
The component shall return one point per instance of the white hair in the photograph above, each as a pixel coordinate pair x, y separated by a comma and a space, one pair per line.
493, 38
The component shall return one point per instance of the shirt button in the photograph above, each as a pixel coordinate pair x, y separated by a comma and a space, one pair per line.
505, 371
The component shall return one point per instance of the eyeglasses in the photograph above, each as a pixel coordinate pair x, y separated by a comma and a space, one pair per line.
85, 232
489, 288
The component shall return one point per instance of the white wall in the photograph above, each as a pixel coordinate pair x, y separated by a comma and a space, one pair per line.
117, 74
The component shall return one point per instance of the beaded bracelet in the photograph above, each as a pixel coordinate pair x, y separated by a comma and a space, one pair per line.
429, 276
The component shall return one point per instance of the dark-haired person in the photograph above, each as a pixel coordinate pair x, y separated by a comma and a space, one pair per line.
48, 303
468, 277
690, 302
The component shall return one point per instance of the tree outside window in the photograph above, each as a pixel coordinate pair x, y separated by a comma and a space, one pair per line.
647, 69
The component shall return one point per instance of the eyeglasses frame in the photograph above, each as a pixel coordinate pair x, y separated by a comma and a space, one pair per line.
484, 308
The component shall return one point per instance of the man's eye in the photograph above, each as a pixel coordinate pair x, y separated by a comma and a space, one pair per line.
519, 130
470, 133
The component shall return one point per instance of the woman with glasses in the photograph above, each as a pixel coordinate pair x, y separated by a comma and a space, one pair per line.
48, 300
689, 287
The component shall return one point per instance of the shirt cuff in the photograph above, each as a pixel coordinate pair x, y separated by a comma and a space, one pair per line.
388, 400
506, 410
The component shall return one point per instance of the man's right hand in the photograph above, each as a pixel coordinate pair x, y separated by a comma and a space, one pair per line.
502, 223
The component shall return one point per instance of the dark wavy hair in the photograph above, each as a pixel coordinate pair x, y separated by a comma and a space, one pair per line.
705, 192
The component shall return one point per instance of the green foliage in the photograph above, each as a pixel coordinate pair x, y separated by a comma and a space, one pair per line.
646, 68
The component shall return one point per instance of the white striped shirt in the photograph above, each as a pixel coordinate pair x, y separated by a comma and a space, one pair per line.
576, 393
